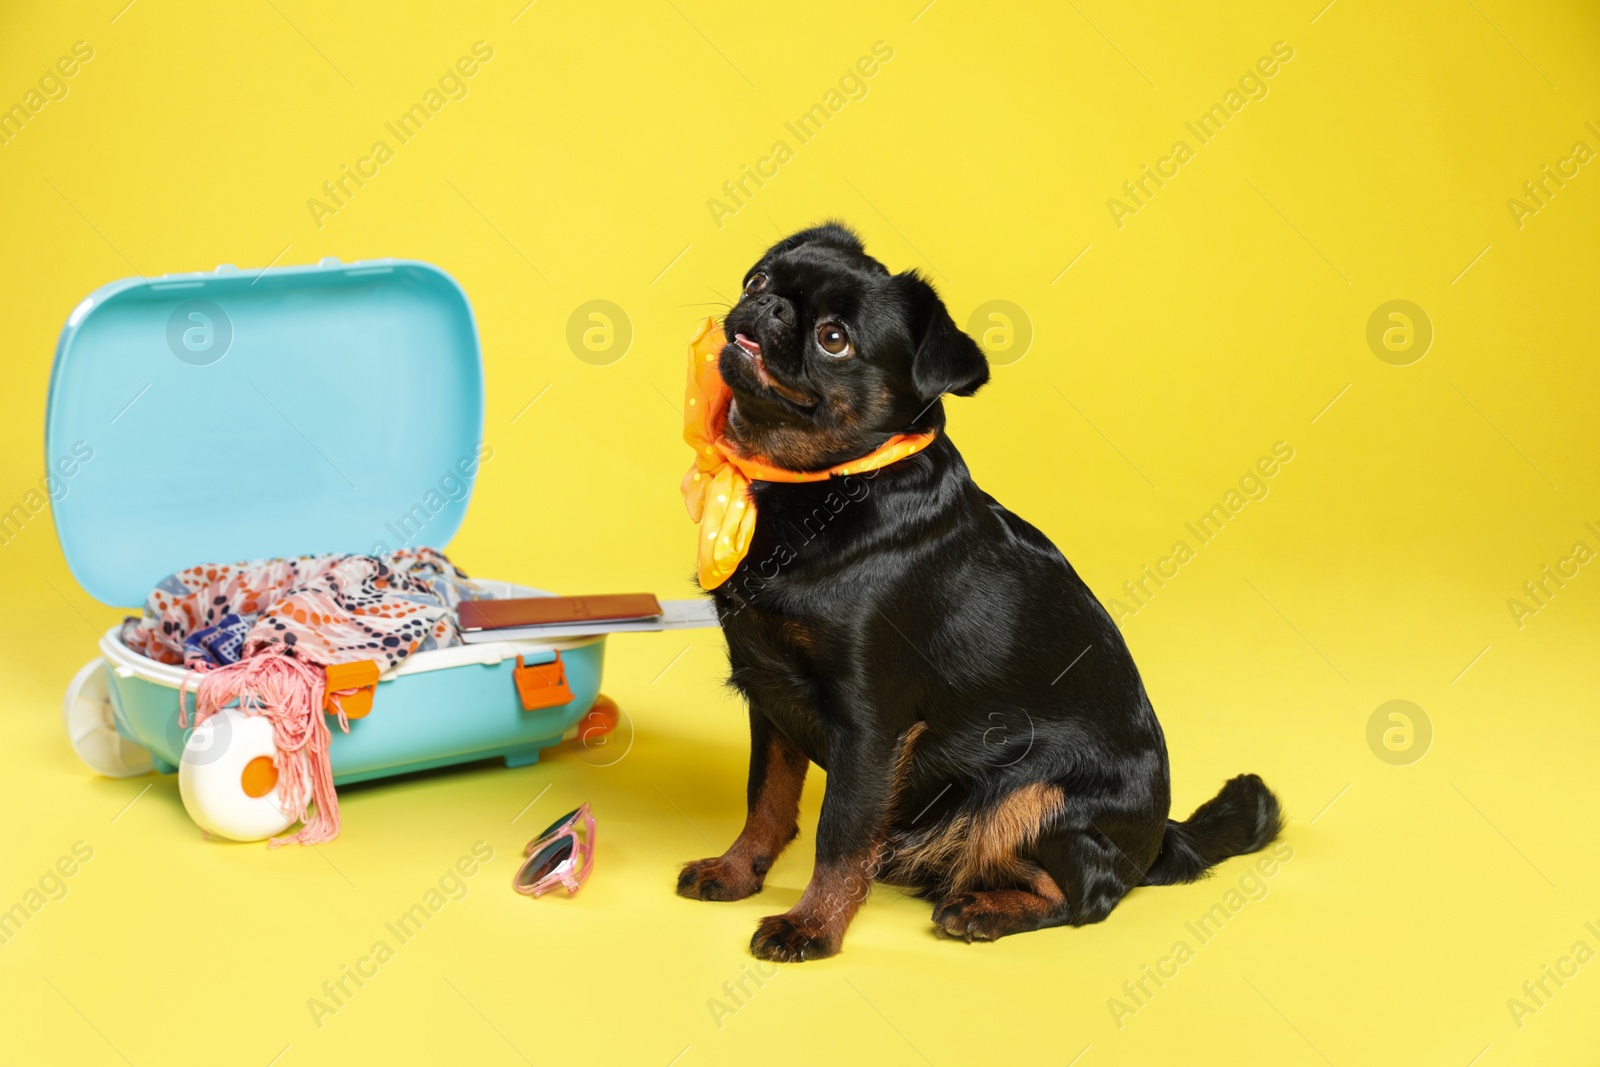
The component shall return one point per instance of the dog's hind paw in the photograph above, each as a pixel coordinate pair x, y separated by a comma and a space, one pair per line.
991, 915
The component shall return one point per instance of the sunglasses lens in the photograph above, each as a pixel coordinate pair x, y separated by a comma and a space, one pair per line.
559, 823
544, 862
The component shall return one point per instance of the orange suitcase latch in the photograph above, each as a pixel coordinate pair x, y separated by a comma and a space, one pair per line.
350, 688
543, 685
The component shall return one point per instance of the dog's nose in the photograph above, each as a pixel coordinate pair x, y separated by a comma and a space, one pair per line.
778, 309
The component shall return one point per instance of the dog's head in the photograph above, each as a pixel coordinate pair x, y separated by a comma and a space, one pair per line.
829, 354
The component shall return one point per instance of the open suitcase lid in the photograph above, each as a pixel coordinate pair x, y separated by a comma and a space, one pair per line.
233, 415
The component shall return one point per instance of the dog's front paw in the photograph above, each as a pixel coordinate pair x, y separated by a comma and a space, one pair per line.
716, 879
783, 939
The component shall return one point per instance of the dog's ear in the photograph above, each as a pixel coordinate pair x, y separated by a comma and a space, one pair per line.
946, 360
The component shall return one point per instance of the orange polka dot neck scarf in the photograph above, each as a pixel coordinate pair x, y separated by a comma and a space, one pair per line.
717, 487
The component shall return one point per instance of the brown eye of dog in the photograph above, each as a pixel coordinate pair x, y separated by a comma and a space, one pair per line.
757, 282
833, 339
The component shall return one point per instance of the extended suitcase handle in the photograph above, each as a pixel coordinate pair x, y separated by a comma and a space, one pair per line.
543, 685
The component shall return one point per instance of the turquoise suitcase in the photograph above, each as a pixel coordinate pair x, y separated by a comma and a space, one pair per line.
232, 415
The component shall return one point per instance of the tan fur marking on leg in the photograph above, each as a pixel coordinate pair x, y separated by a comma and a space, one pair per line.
998, 834
902, 758
774, 821
928, 853
1044, 885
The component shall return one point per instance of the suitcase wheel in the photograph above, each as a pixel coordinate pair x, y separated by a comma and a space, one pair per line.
600, 719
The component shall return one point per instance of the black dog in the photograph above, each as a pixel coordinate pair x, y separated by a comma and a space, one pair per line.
986, 735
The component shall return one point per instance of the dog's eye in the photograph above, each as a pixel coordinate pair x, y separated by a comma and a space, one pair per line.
757, 282
833, 340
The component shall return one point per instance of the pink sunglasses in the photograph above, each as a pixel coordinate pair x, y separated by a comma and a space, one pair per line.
558, 856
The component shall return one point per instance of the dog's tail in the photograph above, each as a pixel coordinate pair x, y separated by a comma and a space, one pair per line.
1242, 818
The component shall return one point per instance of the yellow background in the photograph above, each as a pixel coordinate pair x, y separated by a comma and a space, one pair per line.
1223, 317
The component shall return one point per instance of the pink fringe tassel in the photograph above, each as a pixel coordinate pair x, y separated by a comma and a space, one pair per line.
288, 692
